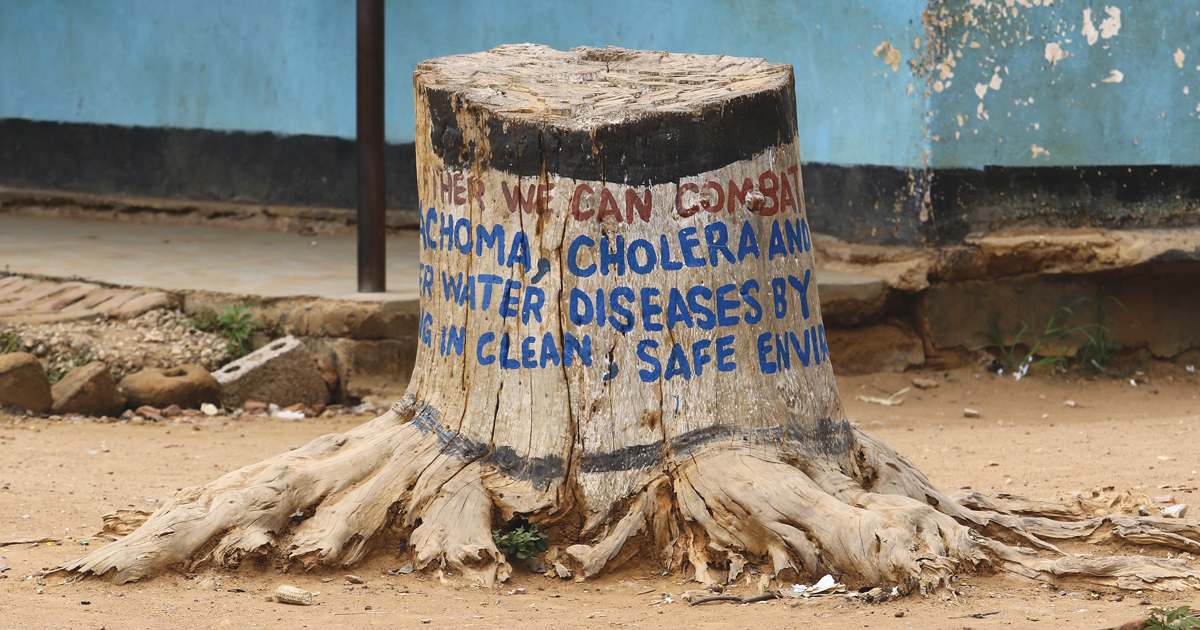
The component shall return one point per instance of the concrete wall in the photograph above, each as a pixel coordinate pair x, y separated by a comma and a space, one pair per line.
1066, 83
288, 67
915, 115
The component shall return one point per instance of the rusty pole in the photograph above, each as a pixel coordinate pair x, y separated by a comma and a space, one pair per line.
372, 272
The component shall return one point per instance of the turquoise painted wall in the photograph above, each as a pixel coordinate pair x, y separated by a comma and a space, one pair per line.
288, 67
1128, 94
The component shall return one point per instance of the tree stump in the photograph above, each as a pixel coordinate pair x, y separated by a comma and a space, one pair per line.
621, 341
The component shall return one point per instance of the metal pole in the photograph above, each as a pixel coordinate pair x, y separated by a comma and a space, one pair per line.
372, 273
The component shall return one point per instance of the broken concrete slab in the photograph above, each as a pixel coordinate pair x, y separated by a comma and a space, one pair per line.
1146, 306
188, 386
888, 347
88, 390
23, 382
283, 372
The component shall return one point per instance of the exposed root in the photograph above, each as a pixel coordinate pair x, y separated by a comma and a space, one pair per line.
872, 518
352, 480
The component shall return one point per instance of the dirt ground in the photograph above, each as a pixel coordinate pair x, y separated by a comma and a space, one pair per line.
57, 478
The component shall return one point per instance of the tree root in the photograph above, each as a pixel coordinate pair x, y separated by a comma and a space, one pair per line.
872, 517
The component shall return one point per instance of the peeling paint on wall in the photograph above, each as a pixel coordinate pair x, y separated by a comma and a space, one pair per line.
1055, 54
890, 55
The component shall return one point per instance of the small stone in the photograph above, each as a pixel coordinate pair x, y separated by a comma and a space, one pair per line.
1142, 511
1164, 498
354, 579
537, 565
970, 413
899, 613
426, 621
367, 607
1145, 601
1070, 403
406, 569
1176, 511
255, 406
86, 602
924, 383
147, 411
562, 571
172, 411
209, 409
1116, 598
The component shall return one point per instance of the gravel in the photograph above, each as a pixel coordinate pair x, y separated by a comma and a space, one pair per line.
156, 339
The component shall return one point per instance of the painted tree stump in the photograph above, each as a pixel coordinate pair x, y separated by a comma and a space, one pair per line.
621, 341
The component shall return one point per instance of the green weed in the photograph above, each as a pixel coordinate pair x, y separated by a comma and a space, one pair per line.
234, 324
1097, 353
523, 542
9, 342
1019, 362
1182, 618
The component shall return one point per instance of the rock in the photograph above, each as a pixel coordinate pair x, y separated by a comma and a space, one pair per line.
354, 579
406, 569
148, 412
970, 413
328, 374
1164, 498
1142, 511
537, 565
924, 383
23, 382
1176, 511
88, 390
282, 372
188, 386
562, 571
209, 409
255, 407
172, 411
1116, 598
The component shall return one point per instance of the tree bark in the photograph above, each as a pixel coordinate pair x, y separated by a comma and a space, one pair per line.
621, 341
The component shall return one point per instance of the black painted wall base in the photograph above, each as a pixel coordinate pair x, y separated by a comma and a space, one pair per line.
300, 170
867, 204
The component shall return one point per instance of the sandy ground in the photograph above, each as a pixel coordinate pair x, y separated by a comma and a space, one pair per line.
57, 480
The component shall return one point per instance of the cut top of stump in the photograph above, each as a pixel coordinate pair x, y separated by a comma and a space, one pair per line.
533, 104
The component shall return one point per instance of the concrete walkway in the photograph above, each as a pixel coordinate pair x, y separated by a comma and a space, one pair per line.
223, 260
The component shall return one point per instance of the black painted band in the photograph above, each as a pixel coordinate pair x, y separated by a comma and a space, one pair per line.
829, 437
661, 148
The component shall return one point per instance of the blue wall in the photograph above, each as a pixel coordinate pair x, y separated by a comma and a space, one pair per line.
288, 67
1152, 116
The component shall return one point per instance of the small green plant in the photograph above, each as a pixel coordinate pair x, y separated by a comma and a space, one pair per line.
234, 324
1011, 356
1182, 618
1099, 353
523, 542
9, 342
